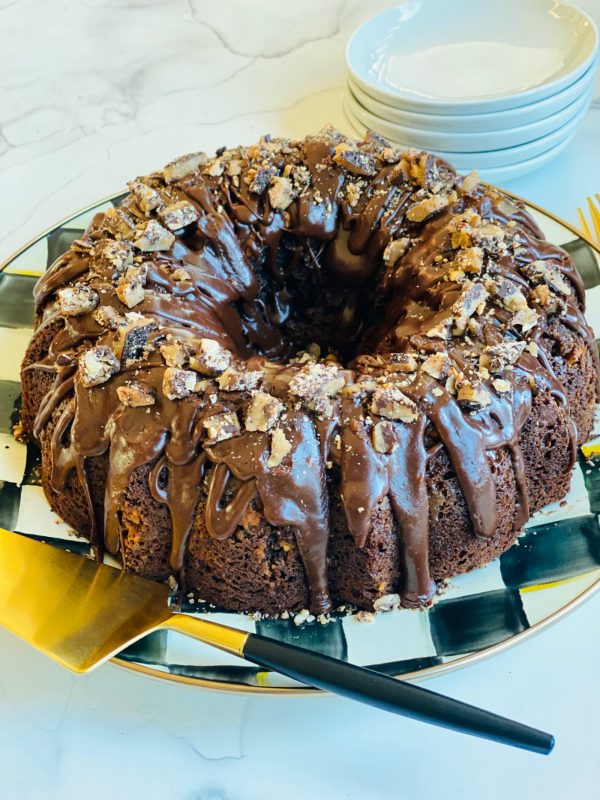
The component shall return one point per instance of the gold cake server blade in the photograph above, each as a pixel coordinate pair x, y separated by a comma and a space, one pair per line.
81, 613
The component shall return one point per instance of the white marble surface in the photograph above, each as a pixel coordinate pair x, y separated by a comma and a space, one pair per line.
91, 93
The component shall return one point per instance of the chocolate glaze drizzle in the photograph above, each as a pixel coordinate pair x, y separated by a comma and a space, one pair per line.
238, 289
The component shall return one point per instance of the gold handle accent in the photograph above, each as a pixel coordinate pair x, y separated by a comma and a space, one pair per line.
221, 636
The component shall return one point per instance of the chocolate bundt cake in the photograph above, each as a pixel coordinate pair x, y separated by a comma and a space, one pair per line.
306, 373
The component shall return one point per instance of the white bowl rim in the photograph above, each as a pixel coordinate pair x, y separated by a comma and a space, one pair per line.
487, 155
553, 122
573, 91
527, 165
518, 168
475, 104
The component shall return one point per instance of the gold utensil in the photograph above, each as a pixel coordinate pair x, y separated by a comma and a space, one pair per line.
81, 613
595, 218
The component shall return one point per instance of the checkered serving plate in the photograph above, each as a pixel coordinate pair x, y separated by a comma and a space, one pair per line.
553, 567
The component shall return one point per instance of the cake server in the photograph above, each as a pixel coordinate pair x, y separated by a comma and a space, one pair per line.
81, 613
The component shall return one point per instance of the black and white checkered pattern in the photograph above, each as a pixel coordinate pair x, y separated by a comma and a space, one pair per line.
556, 560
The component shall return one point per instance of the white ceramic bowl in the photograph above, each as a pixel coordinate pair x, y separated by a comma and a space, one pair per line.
470, 142
512, 171
489, 159
476, 123
500, 175
470, 56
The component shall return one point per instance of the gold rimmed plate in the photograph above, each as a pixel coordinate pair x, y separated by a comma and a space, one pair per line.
553, 567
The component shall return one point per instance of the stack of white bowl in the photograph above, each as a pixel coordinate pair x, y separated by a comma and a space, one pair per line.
497, 87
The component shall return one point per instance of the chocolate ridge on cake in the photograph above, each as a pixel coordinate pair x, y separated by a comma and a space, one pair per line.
308, 372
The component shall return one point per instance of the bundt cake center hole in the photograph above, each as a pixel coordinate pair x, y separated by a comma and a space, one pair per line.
305, 303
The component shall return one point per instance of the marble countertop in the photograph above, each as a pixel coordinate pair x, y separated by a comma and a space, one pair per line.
91, 93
